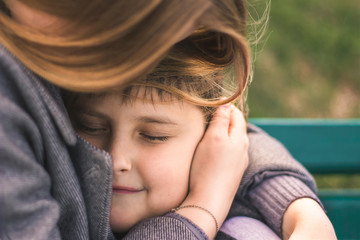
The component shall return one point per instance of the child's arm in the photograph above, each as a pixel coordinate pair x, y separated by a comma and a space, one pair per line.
305, 219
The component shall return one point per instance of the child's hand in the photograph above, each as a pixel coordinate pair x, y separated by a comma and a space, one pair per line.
305, 219
217, 169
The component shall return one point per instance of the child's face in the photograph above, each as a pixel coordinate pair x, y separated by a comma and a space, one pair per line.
152, 146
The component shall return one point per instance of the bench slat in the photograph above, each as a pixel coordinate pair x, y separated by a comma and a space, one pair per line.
323, 146
343, 210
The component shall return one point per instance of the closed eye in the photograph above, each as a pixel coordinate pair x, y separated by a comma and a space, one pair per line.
152, 138
91, 130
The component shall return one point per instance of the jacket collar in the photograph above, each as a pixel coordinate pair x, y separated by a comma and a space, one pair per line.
51, 94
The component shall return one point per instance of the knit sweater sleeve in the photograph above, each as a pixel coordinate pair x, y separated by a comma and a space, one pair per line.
269, 156
273, 180
170, 226
274, 195
27, 209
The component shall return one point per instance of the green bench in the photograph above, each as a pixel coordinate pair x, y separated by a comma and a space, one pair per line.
325, 147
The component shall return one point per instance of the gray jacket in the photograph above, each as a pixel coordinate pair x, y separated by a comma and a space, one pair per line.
54, 185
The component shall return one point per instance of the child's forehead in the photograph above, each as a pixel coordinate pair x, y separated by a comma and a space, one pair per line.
135, 95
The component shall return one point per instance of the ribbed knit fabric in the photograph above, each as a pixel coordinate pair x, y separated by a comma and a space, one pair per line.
274, 180
155, 228
274, 195
29, 137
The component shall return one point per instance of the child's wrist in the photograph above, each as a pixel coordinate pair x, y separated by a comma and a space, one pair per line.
201, 208
202, 218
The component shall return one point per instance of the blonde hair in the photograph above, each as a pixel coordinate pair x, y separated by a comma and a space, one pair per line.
125, 40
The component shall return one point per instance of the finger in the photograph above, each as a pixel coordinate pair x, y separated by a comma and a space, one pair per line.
237, 123
221, 118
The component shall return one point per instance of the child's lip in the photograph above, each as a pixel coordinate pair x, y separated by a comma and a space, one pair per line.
126, 190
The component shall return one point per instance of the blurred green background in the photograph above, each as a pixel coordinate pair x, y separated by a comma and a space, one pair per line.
308, 62
307, 65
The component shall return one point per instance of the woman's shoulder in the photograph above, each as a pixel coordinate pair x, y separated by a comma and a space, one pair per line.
9, 65
13, 74
34, 96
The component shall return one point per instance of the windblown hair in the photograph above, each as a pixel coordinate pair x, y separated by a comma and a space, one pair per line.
108, 44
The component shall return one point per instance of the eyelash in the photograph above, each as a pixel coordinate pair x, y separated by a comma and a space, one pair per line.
91, 130
95, 131
154, 138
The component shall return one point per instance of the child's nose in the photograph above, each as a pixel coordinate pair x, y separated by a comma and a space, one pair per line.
121, 158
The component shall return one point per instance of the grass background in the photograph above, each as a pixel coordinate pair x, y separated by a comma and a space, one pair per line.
308, 65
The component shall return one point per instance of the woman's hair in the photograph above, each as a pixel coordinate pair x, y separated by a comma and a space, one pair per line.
107, 44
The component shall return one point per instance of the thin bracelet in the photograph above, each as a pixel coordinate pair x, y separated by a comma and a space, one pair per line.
202, 208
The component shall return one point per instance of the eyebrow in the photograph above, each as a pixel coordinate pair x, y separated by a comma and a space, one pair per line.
157, 120
144, 119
